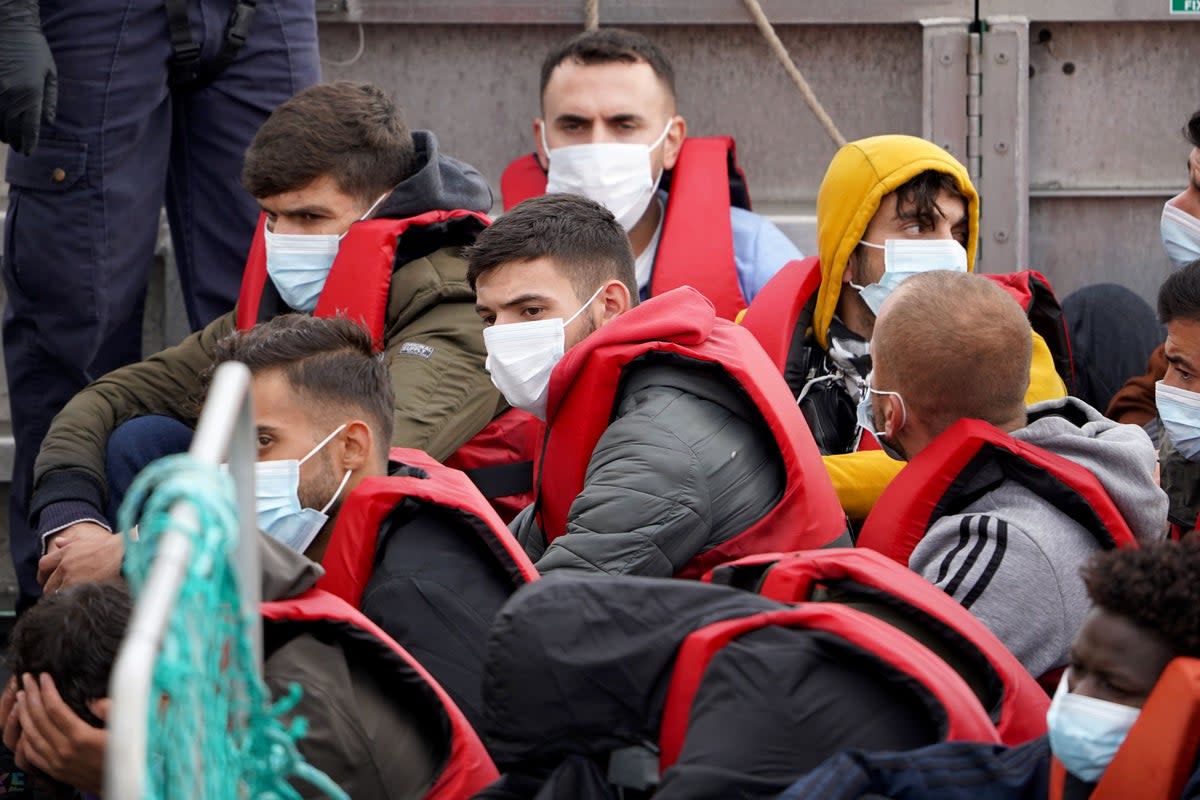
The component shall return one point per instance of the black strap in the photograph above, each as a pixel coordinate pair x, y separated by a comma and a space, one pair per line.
502, 480
187, 73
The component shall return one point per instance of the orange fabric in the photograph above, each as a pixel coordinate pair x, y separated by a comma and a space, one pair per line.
1157, 757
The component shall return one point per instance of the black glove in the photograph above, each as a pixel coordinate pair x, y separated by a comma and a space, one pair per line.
28, 79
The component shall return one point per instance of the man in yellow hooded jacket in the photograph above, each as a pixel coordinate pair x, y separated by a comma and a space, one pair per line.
888, 207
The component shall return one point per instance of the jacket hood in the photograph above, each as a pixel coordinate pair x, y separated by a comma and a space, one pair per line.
857, 180
440, 183
1122, 457
285, 573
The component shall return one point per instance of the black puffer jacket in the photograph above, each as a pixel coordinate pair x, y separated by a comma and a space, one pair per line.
685, 464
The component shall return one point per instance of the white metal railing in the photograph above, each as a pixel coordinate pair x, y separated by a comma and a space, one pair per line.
225, 430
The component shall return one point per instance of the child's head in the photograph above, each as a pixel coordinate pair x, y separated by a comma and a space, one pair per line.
73, 635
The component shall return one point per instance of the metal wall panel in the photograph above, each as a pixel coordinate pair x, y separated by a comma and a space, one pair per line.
477, 87
1107, 102
1004, 146
1081, 10
1083, 240
639, 12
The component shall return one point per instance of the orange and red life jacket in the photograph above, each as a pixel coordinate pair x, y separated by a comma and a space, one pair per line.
468, 768
782, 311
1016, 703
1159, 753
583, 394
350, 556
965, 718
500, 457
931, 483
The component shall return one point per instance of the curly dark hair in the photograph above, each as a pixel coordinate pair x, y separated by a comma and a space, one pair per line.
74, 636
1157, 587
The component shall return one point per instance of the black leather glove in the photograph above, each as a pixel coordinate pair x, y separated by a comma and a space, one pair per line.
28, 79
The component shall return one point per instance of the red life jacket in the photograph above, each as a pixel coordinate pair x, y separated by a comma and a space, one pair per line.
871, 583
696, 245
350, 556
499, 457
583, 394
930, 487
1159, 753
965, 718
782, 312
468, 768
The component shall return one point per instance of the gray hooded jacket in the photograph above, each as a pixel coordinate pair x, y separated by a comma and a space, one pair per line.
1013, 559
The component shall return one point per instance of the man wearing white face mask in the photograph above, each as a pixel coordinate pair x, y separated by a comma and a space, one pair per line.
609, 131
889, 207
1177, 396
1010, 552
1137, 624
362, 218
672, 443
1180, 226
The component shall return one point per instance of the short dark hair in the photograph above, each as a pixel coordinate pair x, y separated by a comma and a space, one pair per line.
580, 235
1156, 587
610, 46
1191, 131
73, 635
1179, 296
329, 361
918, 195
352, 132
917, 198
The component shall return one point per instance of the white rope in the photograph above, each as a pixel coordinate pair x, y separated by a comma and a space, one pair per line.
362, 46
768, 32
591, 15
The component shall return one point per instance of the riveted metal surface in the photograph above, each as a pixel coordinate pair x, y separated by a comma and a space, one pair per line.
1004, 146
1114, 122
946, 84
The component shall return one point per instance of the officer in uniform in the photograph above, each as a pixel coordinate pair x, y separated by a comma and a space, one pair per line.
113, 108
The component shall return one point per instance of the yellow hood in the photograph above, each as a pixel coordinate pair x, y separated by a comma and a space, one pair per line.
858, 178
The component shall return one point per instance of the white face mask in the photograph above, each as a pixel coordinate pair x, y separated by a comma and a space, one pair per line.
1180, 236
615, 175
903, 258
299, 263
1085, 732
521, 356
277, 500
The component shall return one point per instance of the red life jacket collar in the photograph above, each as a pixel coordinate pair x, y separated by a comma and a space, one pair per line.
360, 279
681, 316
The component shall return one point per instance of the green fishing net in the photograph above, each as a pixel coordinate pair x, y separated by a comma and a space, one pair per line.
213, 731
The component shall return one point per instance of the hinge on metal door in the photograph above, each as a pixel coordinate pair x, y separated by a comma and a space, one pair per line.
974, 107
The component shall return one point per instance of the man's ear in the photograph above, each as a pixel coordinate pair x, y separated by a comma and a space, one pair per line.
893, 417
358, 444
542, 156
616, 301
100, 707
674, 141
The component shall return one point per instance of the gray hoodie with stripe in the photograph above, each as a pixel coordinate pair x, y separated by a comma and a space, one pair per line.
1013, 559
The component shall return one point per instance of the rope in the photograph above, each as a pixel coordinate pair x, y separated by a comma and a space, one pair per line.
768, 32
591, 15
362, 46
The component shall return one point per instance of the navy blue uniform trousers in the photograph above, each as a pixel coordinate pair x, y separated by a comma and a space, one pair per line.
84, 207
